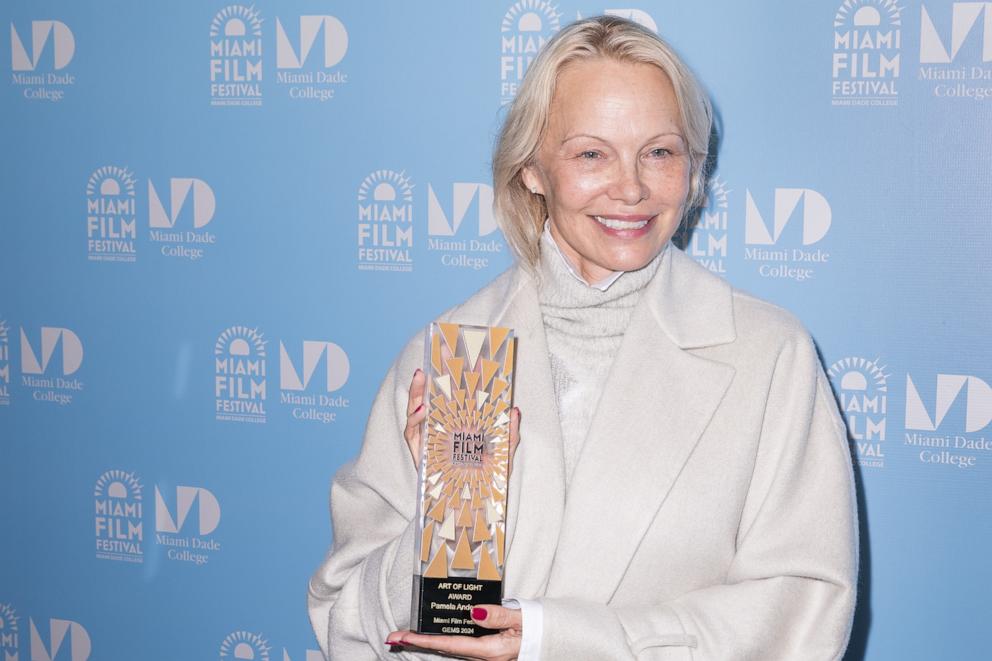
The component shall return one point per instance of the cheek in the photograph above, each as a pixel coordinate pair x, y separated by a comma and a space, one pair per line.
576, 187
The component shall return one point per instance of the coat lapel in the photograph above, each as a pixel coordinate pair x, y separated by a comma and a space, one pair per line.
656, 403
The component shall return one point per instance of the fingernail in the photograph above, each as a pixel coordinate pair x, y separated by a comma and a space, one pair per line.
395, 643
479, 614
417, 371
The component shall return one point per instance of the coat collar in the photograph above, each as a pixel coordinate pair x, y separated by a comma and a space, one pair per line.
656, 402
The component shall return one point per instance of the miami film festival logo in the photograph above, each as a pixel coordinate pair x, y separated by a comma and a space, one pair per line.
10, 644
64, 639
309, 395
111, 221
239, 375
185, 523
862, 386
706, 240
39, 60
385, 222
806, 215
306, 73
526, 27
4, 363
45, 372
866, 61
191, 206
236, 57
947, 417
956, 49
118, 518
461, 232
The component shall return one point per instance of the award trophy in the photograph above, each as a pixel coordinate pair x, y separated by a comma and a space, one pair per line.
464, 471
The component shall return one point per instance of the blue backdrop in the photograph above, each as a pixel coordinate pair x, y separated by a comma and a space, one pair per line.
221, 222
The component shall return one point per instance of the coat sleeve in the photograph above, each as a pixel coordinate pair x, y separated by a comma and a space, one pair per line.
789, 591
362, 591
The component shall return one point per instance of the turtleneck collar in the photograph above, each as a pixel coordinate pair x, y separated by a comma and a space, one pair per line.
601, 285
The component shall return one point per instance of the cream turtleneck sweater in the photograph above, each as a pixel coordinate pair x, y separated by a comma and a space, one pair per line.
584, 325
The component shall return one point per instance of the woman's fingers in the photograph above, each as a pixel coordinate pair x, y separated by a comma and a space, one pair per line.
498, 617
415, 412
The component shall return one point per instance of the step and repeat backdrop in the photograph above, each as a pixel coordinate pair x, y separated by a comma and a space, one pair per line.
221, 221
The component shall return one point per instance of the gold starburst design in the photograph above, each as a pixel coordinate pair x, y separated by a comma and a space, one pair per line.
465, 464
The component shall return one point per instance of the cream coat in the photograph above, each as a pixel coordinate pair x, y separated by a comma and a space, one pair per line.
711, 515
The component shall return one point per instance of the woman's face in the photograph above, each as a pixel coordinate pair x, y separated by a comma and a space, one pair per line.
613, 166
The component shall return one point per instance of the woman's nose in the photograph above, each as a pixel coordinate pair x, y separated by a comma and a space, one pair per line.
628, 186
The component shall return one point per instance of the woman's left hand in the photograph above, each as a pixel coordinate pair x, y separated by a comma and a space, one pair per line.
502, 646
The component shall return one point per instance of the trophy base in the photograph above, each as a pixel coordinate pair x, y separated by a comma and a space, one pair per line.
444, 605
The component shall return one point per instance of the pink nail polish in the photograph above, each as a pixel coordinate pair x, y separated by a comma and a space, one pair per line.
479, 614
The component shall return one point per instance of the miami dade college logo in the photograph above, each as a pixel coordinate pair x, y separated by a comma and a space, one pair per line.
111, 221
49, 380
9, 643
245, 645
191, 203
952, 76
464, 249
62, 635
385, 222
184, 530
814, 221
239, 375
863, 389
706, 240
311, 83
236, 57
118, 521
526, 27
949, 431
295, 384
867, 44
39, 80
4, 363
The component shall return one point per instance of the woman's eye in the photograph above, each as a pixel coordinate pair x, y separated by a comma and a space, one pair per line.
660, 152
589, 154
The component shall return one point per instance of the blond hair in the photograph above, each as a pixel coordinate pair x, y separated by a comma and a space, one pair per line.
520, 213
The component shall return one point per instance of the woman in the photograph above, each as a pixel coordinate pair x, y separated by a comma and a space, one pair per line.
682, 489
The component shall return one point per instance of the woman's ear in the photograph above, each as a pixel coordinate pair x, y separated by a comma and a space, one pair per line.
531, 180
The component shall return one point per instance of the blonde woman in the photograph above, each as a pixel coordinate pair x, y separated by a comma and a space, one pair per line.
682, 487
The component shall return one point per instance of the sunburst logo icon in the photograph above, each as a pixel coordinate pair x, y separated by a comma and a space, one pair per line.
245, 645
534, 16
118, 484
236, 22
859, 374
386, 186
868, 14
240, 341
110, 181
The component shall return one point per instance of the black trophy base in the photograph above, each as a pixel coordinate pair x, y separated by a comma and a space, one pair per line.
444, 605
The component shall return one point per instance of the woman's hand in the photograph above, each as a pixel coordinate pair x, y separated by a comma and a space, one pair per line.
416, 411
502, 646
